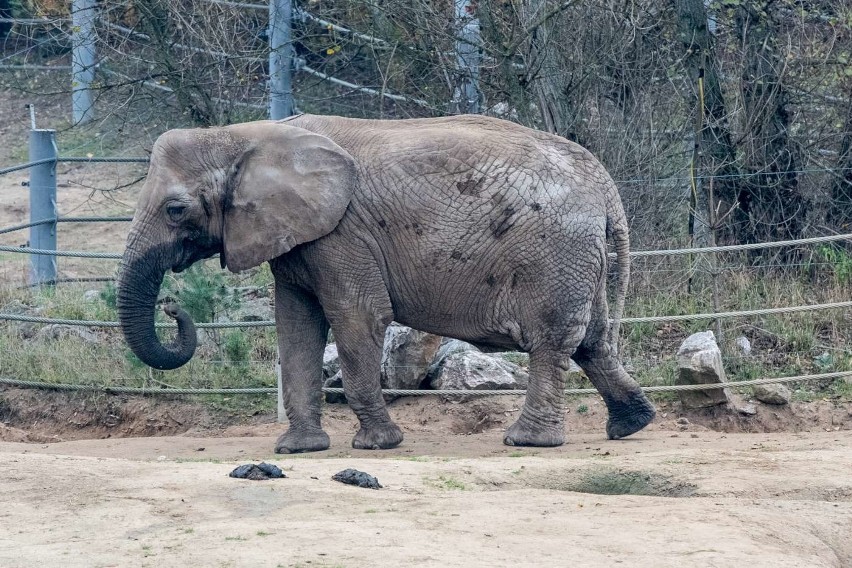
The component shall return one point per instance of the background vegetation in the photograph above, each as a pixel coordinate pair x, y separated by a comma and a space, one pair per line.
723, 122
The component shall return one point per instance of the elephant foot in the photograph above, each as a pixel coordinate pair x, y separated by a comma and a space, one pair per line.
297, 441
630, 416
382, 437
522, 433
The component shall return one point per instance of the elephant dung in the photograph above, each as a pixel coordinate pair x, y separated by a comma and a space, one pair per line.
772, 394
473, 370
699, 362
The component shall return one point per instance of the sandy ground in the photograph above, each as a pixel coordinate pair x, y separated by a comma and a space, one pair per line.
448, 500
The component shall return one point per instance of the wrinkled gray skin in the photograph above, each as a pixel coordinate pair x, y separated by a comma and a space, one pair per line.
467, 227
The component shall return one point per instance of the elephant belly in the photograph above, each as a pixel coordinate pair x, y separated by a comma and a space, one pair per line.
505, 299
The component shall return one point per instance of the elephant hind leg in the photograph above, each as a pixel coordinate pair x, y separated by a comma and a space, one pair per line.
628, 407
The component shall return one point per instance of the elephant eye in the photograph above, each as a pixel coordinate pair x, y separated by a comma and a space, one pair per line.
175, 212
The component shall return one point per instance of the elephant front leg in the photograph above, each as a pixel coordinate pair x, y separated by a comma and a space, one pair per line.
360, 338
302, 333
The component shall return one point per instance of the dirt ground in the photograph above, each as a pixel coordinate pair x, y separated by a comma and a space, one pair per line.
123, 481
453, 494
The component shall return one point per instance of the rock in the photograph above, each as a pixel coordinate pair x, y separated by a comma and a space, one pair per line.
772, 394
743, 345
92, 295
699, 362
335, 382
447, 348
330, 361
747, 408
57, 331
406, 357
254, 309
473, 370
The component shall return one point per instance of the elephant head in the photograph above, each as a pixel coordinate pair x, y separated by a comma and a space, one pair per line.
249, 192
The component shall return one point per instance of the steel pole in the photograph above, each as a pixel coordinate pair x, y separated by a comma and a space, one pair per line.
82, 60
280, 59
43, 205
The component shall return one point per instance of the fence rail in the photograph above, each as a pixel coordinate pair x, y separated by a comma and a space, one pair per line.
170, 391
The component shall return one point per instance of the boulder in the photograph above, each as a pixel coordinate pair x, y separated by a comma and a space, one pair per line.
406, 358
447, 348
335, 382
254, 309
57, 331
772, 394
699, 362
330, 361
407, 355
473, 370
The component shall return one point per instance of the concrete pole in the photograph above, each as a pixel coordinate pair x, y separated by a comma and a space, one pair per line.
43, 205
280, 59
82, 59
466, 98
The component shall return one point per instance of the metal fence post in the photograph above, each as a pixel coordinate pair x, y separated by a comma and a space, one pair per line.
280, 59
43, 205
82, 59
282, 414
466, 98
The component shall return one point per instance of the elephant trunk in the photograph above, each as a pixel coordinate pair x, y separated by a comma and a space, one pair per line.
138, 286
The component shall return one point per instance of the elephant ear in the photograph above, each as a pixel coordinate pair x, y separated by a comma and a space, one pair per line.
290, 186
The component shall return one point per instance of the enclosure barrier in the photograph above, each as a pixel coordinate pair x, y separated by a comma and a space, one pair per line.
44, 219
408, 392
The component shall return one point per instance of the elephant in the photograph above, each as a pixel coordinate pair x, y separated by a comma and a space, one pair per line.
466, 226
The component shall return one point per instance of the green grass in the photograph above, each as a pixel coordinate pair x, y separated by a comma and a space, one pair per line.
784, 344
447, 483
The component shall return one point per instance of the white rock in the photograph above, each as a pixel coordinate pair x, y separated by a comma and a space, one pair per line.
699, 361
472, 370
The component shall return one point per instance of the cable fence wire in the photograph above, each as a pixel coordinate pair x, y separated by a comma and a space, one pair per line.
168, 391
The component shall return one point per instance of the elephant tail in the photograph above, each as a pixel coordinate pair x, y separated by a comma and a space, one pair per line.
617, 228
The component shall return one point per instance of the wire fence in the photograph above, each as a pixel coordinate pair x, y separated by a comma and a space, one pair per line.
716, 315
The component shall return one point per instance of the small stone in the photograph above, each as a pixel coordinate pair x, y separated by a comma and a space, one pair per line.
772, 394
91, 295
683, 420
743, 345
162, 458
748, 409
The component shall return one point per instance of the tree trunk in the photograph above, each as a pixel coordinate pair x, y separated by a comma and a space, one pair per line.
5, 12
715, 154
774, 207
840, 208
